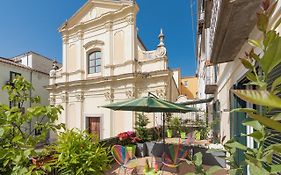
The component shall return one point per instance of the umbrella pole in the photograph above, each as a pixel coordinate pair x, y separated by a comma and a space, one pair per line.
163, 132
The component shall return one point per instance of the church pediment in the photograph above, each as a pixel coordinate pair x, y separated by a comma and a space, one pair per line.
95, 9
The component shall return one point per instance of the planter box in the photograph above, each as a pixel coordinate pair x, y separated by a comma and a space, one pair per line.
141, 150
169, 133
131, 150
211, 158
150, 146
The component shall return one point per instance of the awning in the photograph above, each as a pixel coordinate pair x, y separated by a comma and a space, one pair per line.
207, 100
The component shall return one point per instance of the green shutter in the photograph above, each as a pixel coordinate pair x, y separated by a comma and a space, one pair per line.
277, 135
236, 120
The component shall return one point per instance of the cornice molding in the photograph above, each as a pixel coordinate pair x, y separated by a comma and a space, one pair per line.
93, 43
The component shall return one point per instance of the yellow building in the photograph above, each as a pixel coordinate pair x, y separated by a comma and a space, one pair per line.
189, 87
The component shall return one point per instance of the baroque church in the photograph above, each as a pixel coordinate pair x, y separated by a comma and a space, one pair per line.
105, 61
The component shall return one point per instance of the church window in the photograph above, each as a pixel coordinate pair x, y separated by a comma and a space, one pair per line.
94, 62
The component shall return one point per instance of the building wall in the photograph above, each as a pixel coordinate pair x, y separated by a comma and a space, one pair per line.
189, 87
39, 80
127, 70
229, 73
35, 61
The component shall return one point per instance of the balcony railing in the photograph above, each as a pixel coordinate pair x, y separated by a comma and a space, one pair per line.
210, 81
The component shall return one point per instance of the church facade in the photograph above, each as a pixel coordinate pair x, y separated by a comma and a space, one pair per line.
104, 61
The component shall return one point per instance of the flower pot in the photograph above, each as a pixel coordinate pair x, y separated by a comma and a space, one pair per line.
131, 150
183, 135
141, 150
169, 133
39, 162
150, 146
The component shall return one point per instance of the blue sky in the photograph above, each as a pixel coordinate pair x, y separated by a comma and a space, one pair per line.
32, 25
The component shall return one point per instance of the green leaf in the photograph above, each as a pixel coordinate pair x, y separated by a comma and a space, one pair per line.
269, 37
16, 138
267, 156
275, 168
276, 148
256, 135
276, 83
254, 43
251, 76
243, 110
276, 117
262, 22
257, 170
253, 55
190, 174
198, 159
272, 56
247, 64
259, 97
255, 124
1, 132
235, 144
266, 121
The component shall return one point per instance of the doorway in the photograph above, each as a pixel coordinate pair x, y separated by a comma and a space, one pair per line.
93, 125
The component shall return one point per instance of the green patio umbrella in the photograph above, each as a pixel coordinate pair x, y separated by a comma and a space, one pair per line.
150, 103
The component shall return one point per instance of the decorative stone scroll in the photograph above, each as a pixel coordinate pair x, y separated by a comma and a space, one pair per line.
64, 98
80, 97
161, 93
109, 96
129, 94
130, 19
52, 100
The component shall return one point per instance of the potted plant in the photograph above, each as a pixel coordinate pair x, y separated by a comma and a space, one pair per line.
129, 140
169, 130
43, 156
175, 124
183, 130
142, 133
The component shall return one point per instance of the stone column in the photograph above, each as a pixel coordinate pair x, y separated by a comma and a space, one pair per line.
79, 104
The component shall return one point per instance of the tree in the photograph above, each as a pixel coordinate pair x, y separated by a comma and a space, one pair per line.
17, 144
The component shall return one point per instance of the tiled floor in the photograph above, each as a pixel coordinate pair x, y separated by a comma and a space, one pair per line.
183, 169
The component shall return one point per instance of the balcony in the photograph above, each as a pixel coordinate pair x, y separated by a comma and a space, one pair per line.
210, 81
235, 21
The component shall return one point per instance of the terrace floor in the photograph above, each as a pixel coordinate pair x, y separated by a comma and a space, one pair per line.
183, 169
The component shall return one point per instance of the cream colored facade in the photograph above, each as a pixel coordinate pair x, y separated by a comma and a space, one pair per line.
127, 71
39, 79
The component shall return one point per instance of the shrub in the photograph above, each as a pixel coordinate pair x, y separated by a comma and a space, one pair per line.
79, 153
141, 127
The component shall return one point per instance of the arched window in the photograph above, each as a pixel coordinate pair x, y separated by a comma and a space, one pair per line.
94, 62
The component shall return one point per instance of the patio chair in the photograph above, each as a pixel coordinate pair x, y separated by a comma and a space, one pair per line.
122, 157
175, 155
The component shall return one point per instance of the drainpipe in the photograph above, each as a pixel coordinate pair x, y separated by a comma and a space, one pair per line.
30, 92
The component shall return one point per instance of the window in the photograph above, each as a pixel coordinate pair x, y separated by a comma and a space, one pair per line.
94, 62
186, 83
13, 75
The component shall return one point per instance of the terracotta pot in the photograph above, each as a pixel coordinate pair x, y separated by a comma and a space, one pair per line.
39, 162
